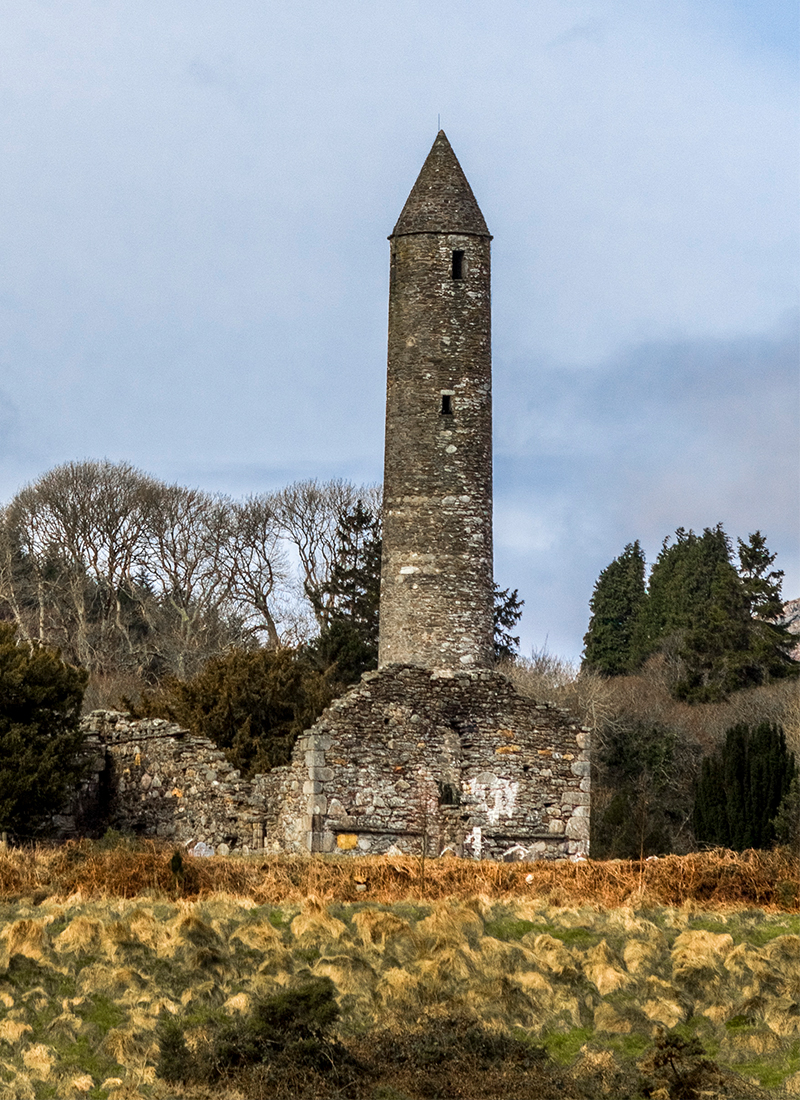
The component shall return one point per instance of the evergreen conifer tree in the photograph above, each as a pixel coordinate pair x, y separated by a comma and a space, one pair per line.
616, 604
742, 787
40, 739
680, 588
251, 703
349, 640
702, 612
507, 613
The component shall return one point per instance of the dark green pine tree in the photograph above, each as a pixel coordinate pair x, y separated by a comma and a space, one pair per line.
762, 584
787, 820
616, 605
742, 787
680, 588
770, 642
348, 644
40, 740
700, 611
507, 613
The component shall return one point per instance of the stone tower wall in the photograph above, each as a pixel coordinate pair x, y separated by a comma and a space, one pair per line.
436, 583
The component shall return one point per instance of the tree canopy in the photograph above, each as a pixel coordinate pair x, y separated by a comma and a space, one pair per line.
348, 604
742, 786
708, 617
251, 703
40, 741
507, 612
616, 605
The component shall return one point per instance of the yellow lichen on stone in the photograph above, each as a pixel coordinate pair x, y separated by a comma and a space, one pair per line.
346, 841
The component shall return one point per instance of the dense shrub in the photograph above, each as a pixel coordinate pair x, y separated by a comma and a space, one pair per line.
742, 786
251, 703
40, 702
289, 1027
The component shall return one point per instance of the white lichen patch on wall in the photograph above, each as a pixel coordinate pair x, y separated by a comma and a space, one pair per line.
494, 796
416, 760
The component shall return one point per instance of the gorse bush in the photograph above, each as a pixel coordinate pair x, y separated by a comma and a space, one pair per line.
293, 1026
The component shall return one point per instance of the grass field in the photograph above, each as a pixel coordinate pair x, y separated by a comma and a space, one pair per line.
600, 979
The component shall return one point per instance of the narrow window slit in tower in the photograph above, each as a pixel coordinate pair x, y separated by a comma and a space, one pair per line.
447, 405
458, 264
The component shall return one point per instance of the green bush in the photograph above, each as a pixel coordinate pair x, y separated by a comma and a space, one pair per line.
40, 739
174, 1058
290, 1026
294, 1023
251, 703
742, 787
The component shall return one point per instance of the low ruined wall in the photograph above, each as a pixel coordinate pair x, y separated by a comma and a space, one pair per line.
407, 760
412, 759
163, 781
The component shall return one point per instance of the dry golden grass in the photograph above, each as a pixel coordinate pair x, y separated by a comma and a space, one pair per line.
719, 879
87, 1005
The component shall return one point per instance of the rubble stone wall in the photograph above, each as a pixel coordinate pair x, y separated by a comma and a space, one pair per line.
412, 758
409, 759
161, 780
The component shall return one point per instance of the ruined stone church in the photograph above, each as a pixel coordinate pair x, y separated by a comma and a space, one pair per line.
435, 748
435, 751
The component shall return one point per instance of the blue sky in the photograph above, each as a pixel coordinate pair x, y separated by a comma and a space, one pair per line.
194, 206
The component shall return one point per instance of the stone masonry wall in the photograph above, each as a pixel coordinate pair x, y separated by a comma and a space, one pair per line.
160, 780
460, 761
409, 758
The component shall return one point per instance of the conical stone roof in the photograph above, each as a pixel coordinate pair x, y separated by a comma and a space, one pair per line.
441, 201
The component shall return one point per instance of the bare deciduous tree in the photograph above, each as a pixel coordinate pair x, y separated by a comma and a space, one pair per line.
309, 514
128, 575
187, 557
259, 566
78, 528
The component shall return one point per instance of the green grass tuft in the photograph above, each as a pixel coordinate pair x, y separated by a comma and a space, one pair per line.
509, 928
102, 1013
564, 1047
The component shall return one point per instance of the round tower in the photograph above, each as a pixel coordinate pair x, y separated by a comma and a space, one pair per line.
436, 572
